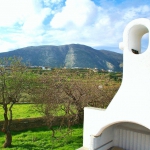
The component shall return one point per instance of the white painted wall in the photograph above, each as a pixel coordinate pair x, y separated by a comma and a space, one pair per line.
132, 101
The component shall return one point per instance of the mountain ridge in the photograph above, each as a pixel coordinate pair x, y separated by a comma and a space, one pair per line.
69, 56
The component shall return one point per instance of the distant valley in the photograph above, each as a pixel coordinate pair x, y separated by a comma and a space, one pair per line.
69, 56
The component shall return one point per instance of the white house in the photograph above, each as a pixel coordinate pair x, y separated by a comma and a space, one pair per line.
126, 121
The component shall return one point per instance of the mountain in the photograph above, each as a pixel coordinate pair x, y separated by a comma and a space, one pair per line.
69, 56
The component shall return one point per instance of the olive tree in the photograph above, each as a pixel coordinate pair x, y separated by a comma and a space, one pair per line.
44, 92
65, 93
86, 89
12, 84
70, 91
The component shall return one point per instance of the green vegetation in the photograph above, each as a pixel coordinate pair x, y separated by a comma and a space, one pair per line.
116, 76
22, 111
41, 139
59, 92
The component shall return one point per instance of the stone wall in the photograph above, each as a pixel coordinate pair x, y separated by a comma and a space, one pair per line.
30, 123
23, 124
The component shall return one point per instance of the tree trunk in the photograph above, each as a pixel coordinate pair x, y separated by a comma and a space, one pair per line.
8, 139
80, 114
6, 128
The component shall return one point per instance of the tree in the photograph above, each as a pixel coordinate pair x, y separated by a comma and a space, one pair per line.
70, 91
45, 95
12, 84
67, 92
87, 89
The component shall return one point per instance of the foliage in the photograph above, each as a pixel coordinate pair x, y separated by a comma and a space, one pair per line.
13, 82
56, 92
71, 92
116, 76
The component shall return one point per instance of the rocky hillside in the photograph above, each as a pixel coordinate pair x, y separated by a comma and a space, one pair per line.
70, 56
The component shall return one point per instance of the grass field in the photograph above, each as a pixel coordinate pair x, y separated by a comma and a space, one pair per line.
27, 111
22, 111
41, 139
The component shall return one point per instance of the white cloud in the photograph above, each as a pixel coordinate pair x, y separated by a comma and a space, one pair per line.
15, 11
28, 13
83, 22
86, 23
19, 40
6, 46
35, 21
21, 23
77, 13
135, 12
55, 5
50, 2
78, 21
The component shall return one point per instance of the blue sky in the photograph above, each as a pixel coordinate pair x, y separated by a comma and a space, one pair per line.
96, 23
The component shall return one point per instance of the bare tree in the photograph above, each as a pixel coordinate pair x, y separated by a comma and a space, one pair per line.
45, 95
12, 83
88, 89
69, 92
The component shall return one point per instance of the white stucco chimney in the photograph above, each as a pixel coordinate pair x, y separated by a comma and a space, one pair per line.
126, 121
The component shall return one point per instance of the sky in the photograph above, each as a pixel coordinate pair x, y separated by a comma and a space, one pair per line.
96, 23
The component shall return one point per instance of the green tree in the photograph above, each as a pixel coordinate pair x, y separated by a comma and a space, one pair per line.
12, 84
